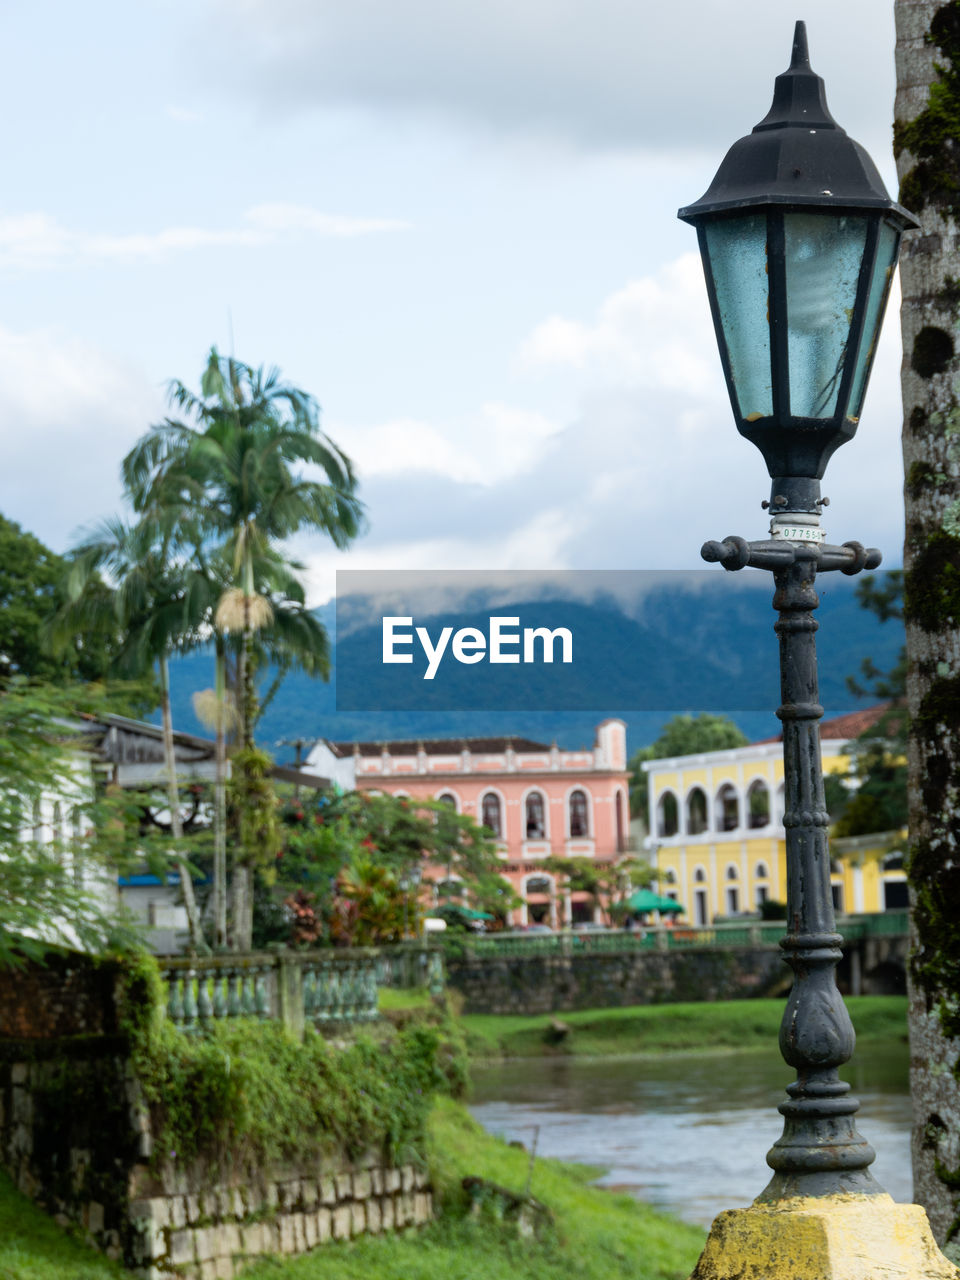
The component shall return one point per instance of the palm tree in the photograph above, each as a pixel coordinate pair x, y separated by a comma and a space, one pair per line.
143, 604
237, 464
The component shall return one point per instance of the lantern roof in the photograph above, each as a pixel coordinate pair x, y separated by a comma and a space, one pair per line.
797, 155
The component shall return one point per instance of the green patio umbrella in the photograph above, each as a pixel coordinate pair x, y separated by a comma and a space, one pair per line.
646, 900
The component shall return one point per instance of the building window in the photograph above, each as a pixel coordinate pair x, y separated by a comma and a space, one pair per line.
732, 872
758, 804
728, 808
760, 893
618, 805
733, 901
700, 875
895, 895
536, 821
696, 812
490, 814
667, 817
836, 891
670, 876
447, 889
539, 884
700, 906
579, 823
447, 798
894, 862
760, 871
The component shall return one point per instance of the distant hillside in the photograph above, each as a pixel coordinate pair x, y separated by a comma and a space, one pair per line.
703, 649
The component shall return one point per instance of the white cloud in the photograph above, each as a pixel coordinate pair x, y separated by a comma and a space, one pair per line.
607, 73
655, 332
68, 413
499, 442
182, 115
36, 240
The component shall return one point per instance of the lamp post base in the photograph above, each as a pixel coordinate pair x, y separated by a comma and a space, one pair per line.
835, 1237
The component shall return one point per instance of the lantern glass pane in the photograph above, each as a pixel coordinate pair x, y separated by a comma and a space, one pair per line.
738, 264
823, 254
883, 269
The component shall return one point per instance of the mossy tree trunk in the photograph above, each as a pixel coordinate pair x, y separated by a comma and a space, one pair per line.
927, 142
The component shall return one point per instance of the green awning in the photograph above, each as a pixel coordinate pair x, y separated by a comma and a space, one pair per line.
646, 900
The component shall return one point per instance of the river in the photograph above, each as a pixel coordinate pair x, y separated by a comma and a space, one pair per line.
685, 1132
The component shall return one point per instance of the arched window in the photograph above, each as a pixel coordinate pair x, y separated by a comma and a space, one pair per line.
490, 815
446, 798
696, 812
760, 871
732, 872
37, 821
579, 820
758, 804
670, 876
700, 875
728, 808
536, 826
667, 817
538, 884
893, 862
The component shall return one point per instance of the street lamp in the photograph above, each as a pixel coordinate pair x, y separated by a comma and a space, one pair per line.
799, 241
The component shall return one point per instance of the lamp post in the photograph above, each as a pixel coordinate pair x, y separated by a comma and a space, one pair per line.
799, 241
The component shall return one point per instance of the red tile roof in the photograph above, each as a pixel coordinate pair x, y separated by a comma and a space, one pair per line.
849, 726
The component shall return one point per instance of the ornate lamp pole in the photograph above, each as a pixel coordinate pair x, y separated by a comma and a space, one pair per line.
799, 241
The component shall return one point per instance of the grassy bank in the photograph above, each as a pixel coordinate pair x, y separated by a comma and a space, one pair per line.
667, 1028
597, 1235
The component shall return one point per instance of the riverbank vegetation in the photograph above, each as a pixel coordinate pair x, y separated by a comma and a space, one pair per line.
666, 1028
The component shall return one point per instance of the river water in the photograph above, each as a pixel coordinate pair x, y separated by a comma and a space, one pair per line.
685, 1132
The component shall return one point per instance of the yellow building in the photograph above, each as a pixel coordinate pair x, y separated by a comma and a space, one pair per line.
717, 837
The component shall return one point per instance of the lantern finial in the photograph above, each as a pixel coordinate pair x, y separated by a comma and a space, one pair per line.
801, 58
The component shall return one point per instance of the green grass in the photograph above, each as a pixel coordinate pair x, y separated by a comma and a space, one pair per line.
598, 1235
390, 999
666, 1028
33, 1247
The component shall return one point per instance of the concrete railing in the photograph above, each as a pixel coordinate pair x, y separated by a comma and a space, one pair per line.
329, 989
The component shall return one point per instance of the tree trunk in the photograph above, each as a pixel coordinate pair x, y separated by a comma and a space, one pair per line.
173, 800
928, 161
220, 805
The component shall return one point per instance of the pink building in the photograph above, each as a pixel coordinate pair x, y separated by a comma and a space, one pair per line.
537, 799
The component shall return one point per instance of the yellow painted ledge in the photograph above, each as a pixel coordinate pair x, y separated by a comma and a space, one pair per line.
843, 1237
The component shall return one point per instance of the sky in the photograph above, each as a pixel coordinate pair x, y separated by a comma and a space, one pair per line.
453, 223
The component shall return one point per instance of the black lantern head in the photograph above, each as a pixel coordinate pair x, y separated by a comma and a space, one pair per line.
799, 241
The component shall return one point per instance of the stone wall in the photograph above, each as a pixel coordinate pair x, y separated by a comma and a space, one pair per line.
93, 1165
556, 984
65, 996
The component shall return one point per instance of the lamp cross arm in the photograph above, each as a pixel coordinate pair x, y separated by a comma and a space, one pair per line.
735, 553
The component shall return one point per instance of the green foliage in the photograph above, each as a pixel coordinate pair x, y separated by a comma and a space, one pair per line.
252, 799
244, 1092
49, 891
682, 735
608, 886
354, 853
32, 590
